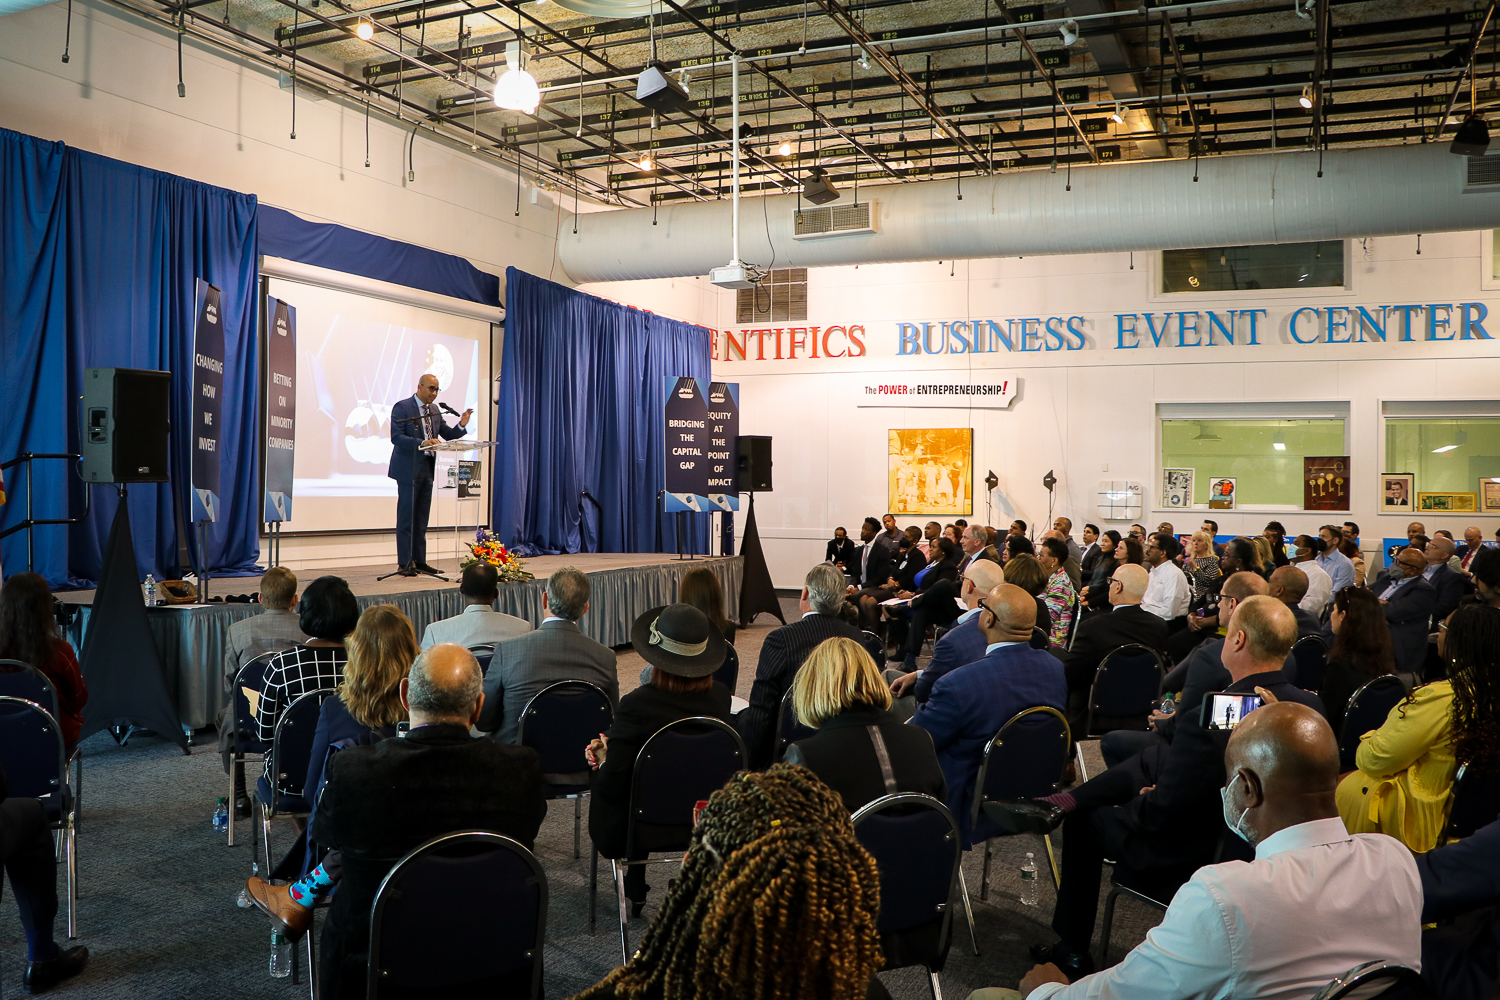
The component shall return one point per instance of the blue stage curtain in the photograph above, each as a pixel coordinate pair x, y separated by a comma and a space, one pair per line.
283, 234
128, 244
582, 392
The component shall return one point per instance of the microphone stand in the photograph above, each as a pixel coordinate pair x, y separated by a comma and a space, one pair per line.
411, 526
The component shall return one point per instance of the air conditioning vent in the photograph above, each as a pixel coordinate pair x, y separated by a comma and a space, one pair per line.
1484, 173
833, 220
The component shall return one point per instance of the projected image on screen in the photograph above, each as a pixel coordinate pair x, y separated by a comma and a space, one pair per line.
350, 372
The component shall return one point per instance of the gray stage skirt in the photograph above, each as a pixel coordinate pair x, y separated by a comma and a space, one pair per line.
191, 638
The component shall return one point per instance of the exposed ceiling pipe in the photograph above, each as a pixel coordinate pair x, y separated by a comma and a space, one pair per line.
1145, 205
15, 6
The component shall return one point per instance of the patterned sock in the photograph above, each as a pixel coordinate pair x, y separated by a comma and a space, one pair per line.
1062, 800
308, 889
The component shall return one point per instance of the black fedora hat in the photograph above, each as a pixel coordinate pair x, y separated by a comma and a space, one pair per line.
679, 639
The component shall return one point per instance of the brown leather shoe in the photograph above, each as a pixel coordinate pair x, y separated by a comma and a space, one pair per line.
276, 902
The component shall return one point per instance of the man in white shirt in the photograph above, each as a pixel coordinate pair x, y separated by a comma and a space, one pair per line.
479, 623
1168, 593
1319, 583
1314, 903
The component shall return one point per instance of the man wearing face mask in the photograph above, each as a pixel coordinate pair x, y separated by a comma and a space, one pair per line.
1156, 814
1314, 903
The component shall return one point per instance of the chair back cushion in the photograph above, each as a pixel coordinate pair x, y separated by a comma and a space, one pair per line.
1367, 711
558, 724
1311, 657
31, 748
293, 749
19, 680
789, 729
681, 765
1476, 802
1127, 681
1026, 758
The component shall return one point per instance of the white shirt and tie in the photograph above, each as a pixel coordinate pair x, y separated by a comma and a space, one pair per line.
1168, 593
1313, 904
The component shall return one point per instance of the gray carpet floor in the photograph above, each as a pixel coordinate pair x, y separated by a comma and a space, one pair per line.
157, 888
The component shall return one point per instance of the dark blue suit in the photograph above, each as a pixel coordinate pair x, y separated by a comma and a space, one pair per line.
960, 646
1460, 890
968, 706
412, 471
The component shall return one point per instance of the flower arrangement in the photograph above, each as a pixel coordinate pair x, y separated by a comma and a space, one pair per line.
486, 547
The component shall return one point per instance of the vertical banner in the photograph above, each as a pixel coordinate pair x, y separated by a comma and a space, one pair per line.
208, 388
723, 445
281, 409
686, 449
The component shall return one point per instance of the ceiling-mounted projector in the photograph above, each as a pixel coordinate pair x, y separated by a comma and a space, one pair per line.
658, 91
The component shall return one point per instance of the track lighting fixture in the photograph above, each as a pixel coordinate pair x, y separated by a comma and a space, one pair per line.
1119, 116
644, 163
864, 59
785, 149
516, 90
364, 30
1306, 100
1069, 32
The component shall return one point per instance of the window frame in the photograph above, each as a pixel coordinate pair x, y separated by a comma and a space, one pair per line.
1405, 410
770, 284
1155, 268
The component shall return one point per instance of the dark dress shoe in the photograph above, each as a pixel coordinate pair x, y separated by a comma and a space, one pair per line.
1072, 964
242, 808
428, 569
42, 976
1024, 815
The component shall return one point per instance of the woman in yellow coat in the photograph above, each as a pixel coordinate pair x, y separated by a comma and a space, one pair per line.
1406, 766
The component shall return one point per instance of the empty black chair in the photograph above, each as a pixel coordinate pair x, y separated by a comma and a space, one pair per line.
31, 747
789, 729
1025, 760
1368, 708
1473, 803
279, 790
914, 841
21, 680
1376, 979
1155, 893
464, 913
680, 765
1126, 686
243, 741
1311, 655
563, 718
484, 653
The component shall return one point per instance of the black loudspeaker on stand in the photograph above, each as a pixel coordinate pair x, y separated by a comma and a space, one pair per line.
126, 423
755, 463
757, 593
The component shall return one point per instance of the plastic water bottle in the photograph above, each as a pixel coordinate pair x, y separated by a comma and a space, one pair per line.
1029, 886
150, 587
281, 956
1168, 705
221, 817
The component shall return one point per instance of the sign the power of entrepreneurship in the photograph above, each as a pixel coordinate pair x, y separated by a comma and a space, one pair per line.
1352, 324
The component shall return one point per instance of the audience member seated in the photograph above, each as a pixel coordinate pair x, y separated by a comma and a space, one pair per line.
684, 649
1314, 903
874, 564
1485, 569
1461, 895
328, 612
1091, 552
1447, 583
1097, 635
557, 651
1026, 572
782, 653
1017, 545
1059, 596
1265, 556
861, 750
1203, 618
1339, 567
701, 588
910, 562
1202, 564
29, 633
1350, 548
1416, 530
1473, 544
1064, 528
1319, 583
960, 645
380, 801
365, 710
974, 541
840, 550
968, 706
806, 928
479, 623
1168, 593
277, 627
1158, 814
1406, 766
930, 604
1069, 566
1123, 551
1275, 536
1360, 653
1407, 599
1289, 586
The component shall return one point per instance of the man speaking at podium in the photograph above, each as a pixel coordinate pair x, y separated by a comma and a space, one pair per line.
415, 422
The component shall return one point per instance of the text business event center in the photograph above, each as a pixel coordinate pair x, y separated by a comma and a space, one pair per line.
664, 499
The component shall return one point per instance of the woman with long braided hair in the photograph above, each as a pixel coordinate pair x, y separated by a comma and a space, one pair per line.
775, 899
1406, 766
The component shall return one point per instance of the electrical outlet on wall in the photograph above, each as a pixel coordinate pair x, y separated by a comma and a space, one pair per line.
1106, 467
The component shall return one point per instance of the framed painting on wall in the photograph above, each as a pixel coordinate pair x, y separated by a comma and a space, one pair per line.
1325, 483
1221, 493
1177, 488
1397, 491
931, 471
1448, 503
1489, 496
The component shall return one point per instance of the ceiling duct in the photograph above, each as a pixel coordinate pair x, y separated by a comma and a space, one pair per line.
16, 6
1144, 205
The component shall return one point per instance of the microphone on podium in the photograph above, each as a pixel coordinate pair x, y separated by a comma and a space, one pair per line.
449, 409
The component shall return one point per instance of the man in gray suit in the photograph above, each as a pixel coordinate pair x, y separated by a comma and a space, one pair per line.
479, 623
557, 651
1407, 599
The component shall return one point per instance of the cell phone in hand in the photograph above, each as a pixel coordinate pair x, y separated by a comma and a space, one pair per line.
403, 727
1227, 709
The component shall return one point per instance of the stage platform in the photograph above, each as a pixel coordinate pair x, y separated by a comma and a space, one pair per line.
191, 637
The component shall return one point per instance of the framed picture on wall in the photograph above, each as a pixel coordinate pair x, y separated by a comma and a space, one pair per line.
1397, 491
1448, 503
1221, 494
1489, 496
931, 471
1177, 488
1325, 483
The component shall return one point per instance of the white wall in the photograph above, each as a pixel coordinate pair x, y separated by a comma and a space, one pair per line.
1080, 411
